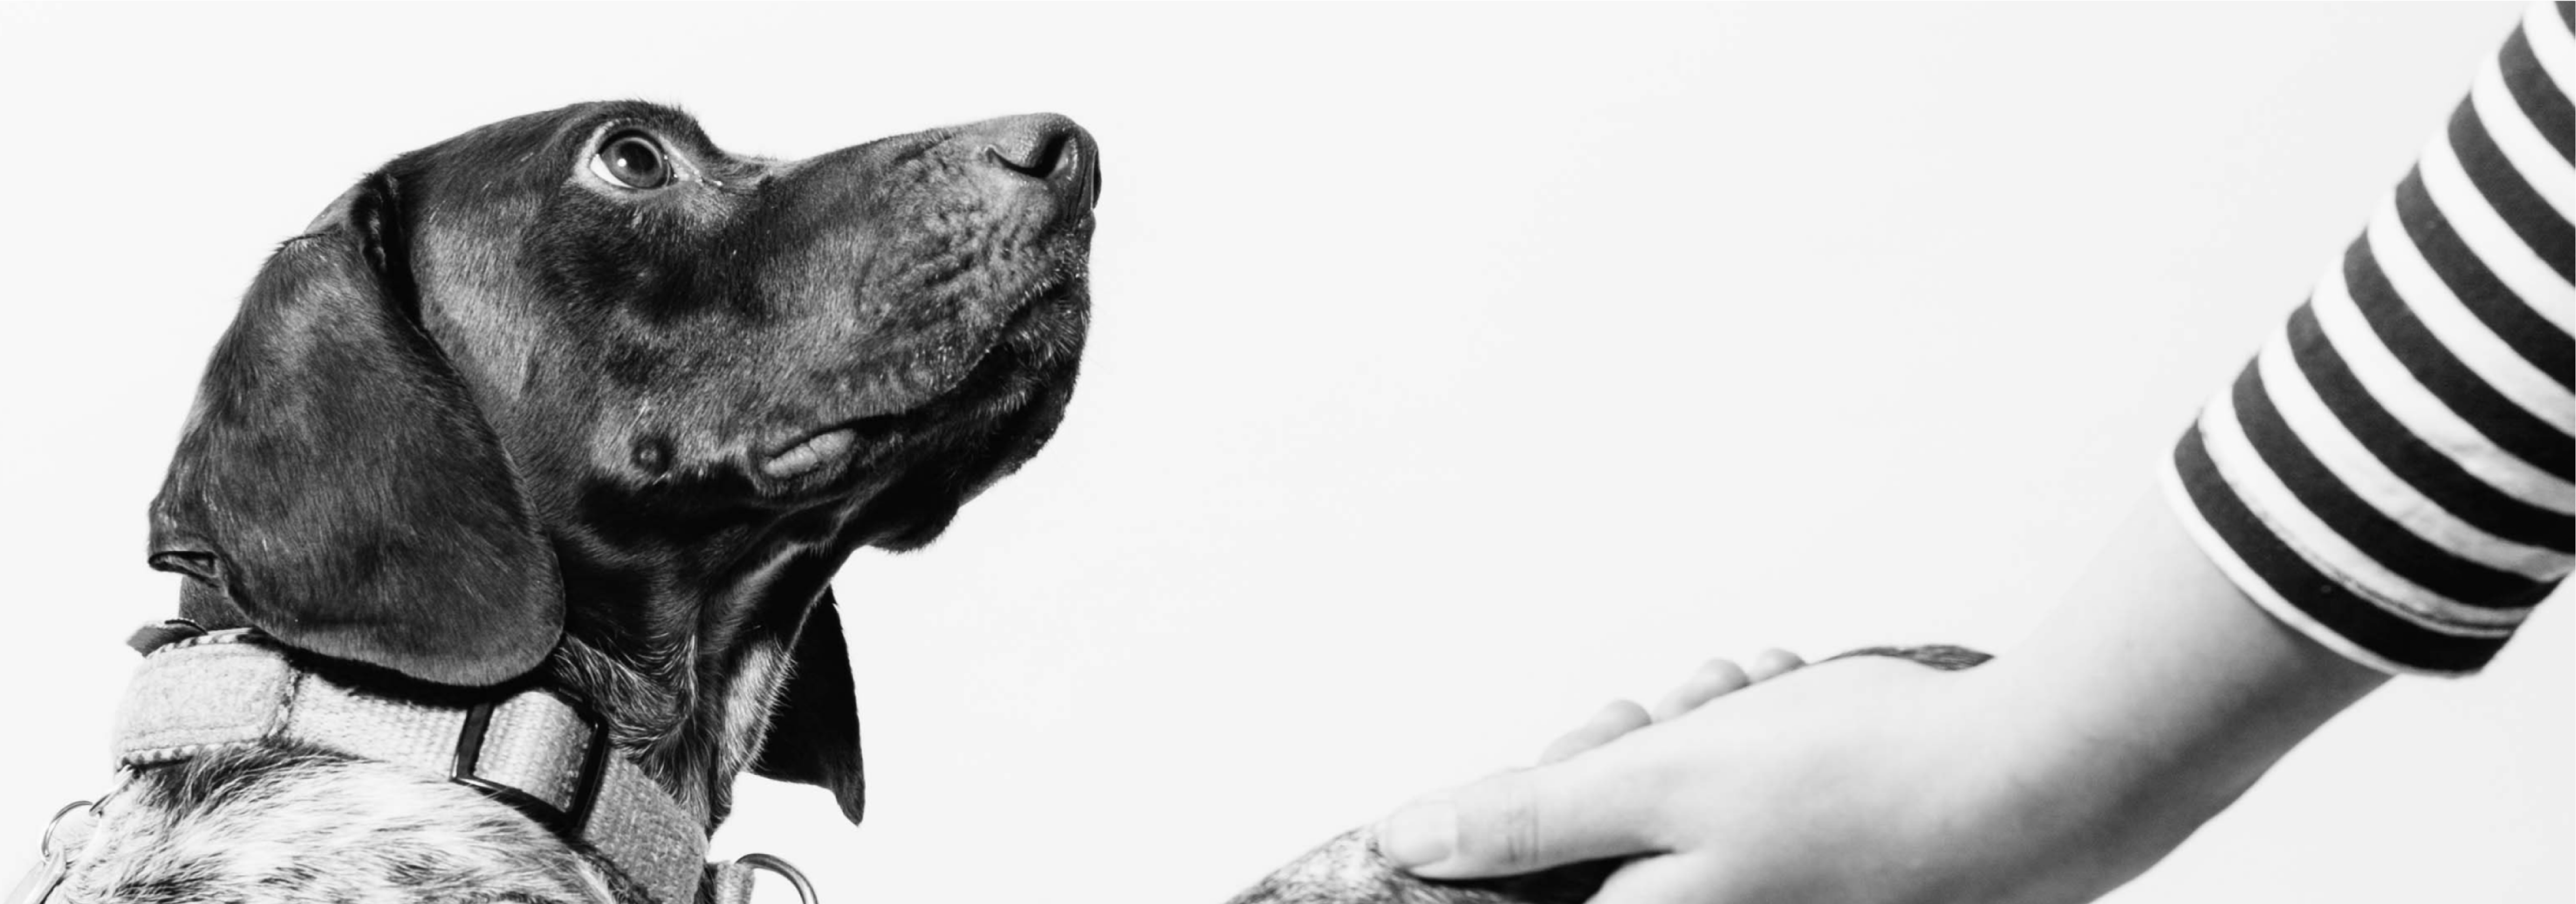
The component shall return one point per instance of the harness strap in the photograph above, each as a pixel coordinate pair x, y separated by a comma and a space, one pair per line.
223, 689
729, 883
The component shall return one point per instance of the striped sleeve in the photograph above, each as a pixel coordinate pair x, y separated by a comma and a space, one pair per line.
2391, 475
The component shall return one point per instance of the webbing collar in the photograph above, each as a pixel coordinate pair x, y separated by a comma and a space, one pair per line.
200, 691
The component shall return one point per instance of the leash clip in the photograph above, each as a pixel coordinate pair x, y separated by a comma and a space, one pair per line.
795, 877
54, 860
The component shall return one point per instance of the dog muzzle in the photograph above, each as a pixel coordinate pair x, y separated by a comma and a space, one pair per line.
199, 692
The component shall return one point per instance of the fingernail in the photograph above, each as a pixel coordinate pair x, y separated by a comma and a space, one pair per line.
1420, 834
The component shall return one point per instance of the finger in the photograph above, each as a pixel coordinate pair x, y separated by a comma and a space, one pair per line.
1616, 718
1585, 808
1669, 879
1715, 678
1773, 663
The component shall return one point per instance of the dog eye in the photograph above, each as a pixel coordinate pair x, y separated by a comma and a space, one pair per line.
631, 159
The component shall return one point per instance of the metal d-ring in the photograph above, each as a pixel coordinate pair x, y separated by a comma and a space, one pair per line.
795, 877
51, 866
45, 846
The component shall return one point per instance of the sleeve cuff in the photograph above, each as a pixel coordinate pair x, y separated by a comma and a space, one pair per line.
2285, 584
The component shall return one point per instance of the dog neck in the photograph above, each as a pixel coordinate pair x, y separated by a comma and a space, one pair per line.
685, 668
688, 667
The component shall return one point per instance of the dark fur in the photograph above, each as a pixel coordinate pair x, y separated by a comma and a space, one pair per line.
493, 420
1348, 869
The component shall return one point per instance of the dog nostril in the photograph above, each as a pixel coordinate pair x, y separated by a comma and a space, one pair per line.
1038, 160
1044, 147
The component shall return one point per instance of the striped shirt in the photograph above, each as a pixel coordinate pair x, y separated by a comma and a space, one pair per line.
2394, 473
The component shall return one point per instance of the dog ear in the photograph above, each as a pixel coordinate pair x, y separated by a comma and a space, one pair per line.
335, 485
814, 730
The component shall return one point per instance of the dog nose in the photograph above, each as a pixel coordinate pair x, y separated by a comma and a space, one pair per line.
1048, 148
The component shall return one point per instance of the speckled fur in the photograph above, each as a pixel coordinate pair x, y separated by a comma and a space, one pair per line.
280, 824
1349, 870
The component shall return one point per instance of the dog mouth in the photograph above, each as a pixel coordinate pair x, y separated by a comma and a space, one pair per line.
808, 459
813, 452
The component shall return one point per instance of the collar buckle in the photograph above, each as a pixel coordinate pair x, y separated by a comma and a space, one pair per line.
567, 821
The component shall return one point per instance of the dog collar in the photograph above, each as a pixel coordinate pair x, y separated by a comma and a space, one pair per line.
198, 692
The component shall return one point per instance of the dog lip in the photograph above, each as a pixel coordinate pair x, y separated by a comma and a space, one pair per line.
796, 461
805, 455
810, 454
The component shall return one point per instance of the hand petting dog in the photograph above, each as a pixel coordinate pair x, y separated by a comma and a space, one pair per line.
1584, 824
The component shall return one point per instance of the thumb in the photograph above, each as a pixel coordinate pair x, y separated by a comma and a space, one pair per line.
1585, 808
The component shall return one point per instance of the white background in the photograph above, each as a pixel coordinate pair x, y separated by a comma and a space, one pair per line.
1455, 369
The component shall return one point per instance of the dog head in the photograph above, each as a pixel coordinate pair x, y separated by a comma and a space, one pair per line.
583, 384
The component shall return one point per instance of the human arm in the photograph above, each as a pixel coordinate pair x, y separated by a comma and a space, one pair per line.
2386, 489
2061, 769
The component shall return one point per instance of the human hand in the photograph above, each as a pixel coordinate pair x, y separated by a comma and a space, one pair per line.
1714, 678
1733, 802
2152, 697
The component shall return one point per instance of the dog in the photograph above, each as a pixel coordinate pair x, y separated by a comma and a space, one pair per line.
1349, 869
569, 421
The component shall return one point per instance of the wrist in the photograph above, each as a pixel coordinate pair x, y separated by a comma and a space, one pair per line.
2151, 700
2074, 804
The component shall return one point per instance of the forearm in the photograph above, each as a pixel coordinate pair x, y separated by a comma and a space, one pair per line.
2050, 775
2145, 705
2386, 489
2389, 479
